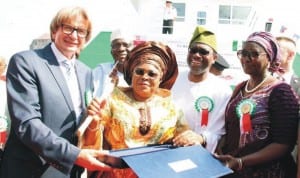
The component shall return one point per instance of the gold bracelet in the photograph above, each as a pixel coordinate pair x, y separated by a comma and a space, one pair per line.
240, 163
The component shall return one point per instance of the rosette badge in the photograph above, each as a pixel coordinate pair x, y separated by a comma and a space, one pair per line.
244, 110
204, 105
3, 130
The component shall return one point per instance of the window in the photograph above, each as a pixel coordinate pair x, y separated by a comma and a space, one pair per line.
180, 7
233, 14
201, 17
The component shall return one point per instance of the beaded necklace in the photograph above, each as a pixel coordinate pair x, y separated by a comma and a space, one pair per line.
257, 86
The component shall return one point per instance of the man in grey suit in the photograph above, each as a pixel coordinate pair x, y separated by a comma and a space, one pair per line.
46, 104
288, 50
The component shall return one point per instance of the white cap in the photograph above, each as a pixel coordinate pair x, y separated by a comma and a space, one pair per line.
125, 34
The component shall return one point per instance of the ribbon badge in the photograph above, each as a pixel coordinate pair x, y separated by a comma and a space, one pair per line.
3, 130
204, 105
244, 110
88, 97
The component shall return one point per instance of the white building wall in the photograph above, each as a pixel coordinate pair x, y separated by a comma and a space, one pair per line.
23, 21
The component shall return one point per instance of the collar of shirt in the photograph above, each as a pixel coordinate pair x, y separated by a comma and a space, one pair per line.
287, 77
60, 57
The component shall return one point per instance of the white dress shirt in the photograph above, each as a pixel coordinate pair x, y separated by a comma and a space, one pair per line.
71, 79
102, 82
186, 93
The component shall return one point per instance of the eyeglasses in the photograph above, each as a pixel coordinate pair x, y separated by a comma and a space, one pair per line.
201, 51
250, 54
68, 29
150, 73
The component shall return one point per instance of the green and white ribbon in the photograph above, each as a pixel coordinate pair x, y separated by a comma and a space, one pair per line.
244, 110
205, 105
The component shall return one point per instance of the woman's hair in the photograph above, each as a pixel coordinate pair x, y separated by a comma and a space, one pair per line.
66, 14
167, 62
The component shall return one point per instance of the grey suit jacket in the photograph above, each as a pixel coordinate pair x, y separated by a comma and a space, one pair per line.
42, 141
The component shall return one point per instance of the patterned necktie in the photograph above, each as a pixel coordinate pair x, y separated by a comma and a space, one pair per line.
67, 64
73, 86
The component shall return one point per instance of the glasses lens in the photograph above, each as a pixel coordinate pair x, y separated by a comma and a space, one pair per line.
150, 73
245, 53
250, 54
254, 54
139, 72
201, 51
81, 32
68, 29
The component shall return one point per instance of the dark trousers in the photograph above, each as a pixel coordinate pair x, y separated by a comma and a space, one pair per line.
167, 26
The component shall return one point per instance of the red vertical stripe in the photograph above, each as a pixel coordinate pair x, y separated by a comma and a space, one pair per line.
2, 137
246, 123
204, 119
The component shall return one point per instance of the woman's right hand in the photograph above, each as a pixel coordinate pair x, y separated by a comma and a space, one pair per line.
92, 128
95, 106
188, 138
231, 162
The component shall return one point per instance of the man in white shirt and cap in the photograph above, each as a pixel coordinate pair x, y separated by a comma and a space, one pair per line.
200, 94
106, 75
